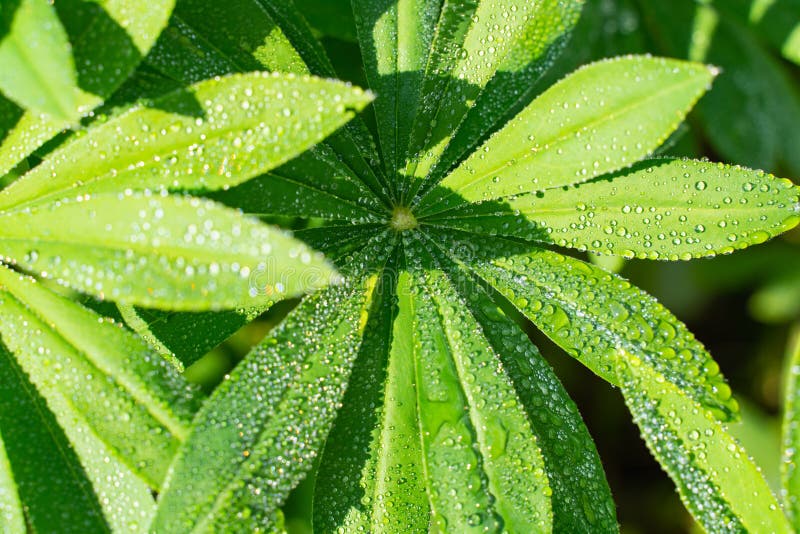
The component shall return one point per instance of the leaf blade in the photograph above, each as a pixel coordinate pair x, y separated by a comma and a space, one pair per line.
723, 488
568, 136
196, 248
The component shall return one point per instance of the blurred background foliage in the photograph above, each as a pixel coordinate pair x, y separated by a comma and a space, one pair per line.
744, 307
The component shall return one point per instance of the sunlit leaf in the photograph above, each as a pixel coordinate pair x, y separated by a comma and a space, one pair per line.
38, 71
108, 38
601, 118
660, 209
177, 253
216, 134
716, 479
11, 515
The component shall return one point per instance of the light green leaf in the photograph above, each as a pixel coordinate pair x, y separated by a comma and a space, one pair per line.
659, 209
258, 434
790, 474
602, 118
38, 71
168, 252
717, 481
78, 486
70, 352
592, 314
500, 37
126, 28
216, 134
12, 518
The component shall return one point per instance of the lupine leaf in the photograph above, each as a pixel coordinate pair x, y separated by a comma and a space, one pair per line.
175, 253
659, 209
38, 71
78, 486
83, 359
12, 517
790, 475
258, 433
716, 479
777, 21
591, 314
760, 133
602, 118
216, 134
126, 28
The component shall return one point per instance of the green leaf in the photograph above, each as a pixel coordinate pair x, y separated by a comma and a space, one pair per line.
168, 252
592, 314
480, 43
777, 21
185, 337
258, 433
395, 39
216, 134
38, 71
602, 118
790, 475
659, 209
12, 517
69, 351
126, 28
717, 481
751, 114
80, 487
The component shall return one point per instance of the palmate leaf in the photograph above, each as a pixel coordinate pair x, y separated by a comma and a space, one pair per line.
282, 398
790, 475
70, 353
438, 397
658, 209
601, 118
38, 71
170, 252
126, 28
717, 481
216, 134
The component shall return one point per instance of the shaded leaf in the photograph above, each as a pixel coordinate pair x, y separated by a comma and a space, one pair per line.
790, 475
601, 118
12, 517
38, 71
169, 252
659, 209
717, 481
777, 21
216, 134
69, 352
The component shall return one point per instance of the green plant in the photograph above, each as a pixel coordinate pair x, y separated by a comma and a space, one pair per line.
407, 384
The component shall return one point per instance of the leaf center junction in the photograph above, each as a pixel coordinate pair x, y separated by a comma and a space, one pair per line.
403, 219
